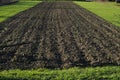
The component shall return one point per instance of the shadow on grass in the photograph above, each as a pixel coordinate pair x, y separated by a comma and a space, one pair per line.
21, 3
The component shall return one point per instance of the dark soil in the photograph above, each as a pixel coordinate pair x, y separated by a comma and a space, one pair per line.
58, 35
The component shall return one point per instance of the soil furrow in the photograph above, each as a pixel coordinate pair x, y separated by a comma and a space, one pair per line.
58, 35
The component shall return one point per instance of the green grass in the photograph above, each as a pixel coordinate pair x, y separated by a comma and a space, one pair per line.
89, 73
7, 11
110, 11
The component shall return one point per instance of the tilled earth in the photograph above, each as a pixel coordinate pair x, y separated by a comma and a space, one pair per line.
58, 35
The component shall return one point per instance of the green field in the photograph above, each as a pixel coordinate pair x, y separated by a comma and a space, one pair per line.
110, 11
97, 73
7, 11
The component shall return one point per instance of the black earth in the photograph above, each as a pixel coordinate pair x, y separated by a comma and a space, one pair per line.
58, 35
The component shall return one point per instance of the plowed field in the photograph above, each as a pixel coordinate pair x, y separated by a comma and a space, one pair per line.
58, 35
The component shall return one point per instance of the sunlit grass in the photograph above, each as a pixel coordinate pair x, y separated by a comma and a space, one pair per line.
7, 11
110, 11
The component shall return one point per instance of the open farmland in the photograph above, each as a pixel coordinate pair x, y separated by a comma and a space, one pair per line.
58, 35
